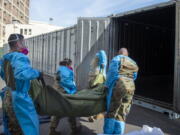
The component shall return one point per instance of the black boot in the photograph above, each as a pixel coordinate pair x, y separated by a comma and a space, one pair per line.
54, 132
73, 125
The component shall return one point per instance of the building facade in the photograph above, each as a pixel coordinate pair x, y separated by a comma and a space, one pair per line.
12, 10
34, 28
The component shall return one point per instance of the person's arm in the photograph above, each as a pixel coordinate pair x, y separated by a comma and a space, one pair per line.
1, 69
23, 70
113, 72
57, 77
135, 75
67, 82
102, 59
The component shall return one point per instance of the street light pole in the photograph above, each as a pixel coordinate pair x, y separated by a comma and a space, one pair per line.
50, 20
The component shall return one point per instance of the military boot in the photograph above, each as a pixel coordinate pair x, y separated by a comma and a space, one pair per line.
54, 132
73, 125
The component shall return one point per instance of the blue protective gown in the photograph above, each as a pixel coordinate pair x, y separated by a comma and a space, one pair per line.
22, 103
112, 126
67, 79
113, 75
101, 55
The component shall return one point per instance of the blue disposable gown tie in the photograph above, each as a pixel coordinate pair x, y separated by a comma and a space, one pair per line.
22, 103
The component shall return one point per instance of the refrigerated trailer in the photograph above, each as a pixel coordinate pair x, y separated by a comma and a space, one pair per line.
152, 36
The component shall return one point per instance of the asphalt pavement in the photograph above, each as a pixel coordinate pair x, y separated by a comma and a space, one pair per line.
137, 118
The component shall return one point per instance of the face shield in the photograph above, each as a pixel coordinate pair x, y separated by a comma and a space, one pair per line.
21, 45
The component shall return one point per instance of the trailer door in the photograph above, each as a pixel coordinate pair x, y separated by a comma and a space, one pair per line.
177, 60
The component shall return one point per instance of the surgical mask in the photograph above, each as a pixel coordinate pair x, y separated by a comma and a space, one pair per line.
24, 51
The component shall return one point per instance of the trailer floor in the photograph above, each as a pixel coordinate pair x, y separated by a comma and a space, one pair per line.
137, 118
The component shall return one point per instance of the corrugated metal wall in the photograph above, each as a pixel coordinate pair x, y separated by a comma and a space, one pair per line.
48, 49
92, 36
5, 48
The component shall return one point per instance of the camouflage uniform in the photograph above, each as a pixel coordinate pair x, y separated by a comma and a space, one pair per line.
94, 71
123, 91
93, 80
12, 122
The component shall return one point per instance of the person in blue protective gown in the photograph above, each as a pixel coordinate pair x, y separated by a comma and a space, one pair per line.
65, 83
97, 67
19, 114
97, 75
66, 77
120, 90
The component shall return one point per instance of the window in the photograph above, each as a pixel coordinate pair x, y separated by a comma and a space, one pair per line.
30, 31
21, 31
25, 31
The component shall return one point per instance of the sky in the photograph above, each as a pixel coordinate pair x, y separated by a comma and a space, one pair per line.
66, 12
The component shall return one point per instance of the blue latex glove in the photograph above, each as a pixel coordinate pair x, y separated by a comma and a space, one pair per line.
119, 127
